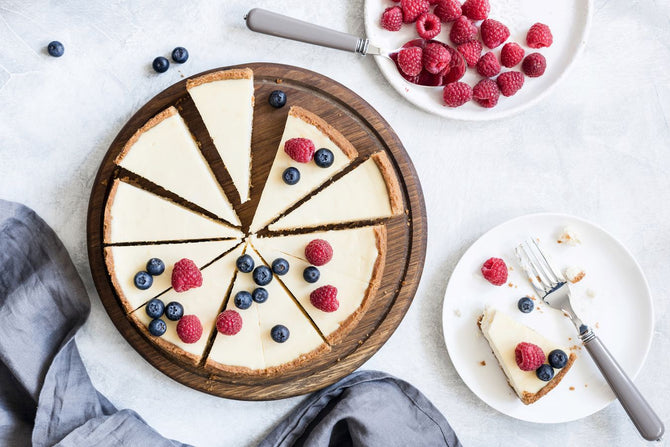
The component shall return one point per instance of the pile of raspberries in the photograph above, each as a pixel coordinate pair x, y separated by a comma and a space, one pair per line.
435, 58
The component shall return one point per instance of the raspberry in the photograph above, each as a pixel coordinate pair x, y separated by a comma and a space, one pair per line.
435, 58
494, 269
318, 252
511, 54
456, 68
476, 9
229, 322
432, 2
488, 65
300, 149
428, 26
189, 329
392, 18
456, 94
448, 10
412, 9
510, 82
534, 65
462, 31
186, 275
494, 33
528, 356
325, 298
471, 52
410, 60
539, 35
486, 94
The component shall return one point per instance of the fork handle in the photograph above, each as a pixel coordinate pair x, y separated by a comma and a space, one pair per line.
640, 412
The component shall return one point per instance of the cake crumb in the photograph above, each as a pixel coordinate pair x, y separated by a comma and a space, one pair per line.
590, 293
510, 285
597, 325
483, 363
572, 388
574, 274
279, 81
586, 385
569, 237
510, 268
457, 312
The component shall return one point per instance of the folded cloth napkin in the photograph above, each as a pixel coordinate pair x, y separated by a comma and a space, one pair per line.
47, 398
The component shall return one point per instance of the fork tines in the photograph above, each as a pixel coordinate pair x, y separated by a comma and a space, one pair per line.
541, 274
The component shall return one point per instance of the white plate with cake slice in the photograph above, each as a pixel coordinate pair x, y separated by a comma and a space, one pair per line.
613, 297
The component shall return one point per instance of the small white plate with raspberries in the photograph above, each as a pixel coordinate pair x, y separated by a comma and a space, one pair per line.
509, 21
613, 297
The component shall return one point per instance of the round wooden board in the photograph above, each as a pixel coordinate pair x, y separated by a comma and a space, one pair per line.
406, 249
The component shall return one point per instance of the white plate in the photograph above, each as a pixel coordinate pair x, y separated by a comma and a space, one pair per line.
569, 21
621, 314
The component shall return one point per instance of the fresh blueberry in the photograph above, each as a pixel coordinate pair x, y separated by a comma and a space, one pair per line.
180, 55
291, 176
545, 372
174, 311
245, 263
311, 274
525, 305
279, 333
324, 158
557, 358
157, 327
155, 308
243, 300
143, 280
280, 266
155, 267
55, 49
160, 64
262, 275
277, 99
260, 295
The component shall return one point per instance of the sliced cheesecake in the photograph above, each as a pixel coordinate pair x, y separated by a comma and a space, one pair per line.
225, 101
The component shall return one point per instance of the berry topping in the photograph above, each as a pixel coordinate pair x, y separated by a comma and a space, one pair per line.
539, 36
324, 158
486, 93
279, 333
260, 295
410, 60
448, 10
189, 329
436, 58
412, 9
229, 322
557, 358
245, 263
428, 26
277, 99
280, 266
462, 31
180, 55
243, 300
494, 33
143, 280
528, 356
174, 311
392, 18
534, 65
545, 373
291, 176
155, 308
300, 149
456, 94
186, 275
495, 271
311, 274
318, 252
160, 64
525, 305
510, 82
471, 51
155, 267
325, 298
476, 9
157, 327
511, 54
488, 65
262, 275
55, 49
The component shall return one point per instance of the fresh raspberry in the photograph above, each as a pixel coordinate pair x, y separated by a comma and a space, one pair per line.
510, 82
511, 54
300, 149
436, 58
325, 298
410, 60
471, 52
494, 33
392, 18
488, 65
534, 65
528, 356
476, 9
428, 26
186, 275
318, 252
539, 35
456, 68
456, 94
229, 322
494, 269
448, 10
432, 2
462, 31
412, 9
189, 329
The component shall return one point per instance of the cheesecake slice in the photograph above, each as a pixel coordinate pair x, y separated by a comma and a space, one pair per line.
164, 152
278, 196
503, 335
133, 214
225, 101
369, 192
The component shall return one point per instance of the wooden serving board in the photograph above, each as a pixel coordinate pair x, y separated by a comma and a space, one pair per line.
369, 133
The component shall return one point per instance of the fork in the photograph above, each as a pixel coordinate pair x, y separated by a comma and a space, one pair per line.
554, 290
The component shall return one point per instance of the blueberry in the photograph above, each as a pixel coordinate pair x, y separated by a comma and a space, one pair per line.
260, 295
55, 49
180, 55
279, 333
545, 372
280, 266
174, 311
557, 358
160, 64
143, 280
157, 327
243, 300
155, 308
277, 99
155, 267
262, 275
245, 263
525, 305
291, 176
311, 274
324, 158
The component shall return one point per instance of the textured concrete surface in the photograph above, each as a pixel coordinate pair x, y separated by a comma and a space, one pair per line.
598, 147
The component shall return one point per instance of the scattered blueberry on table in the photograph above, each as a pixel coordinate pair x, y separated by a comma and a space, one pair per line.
160, 64
143, 280
291, 176
180, 55
526, 305
55, 49
324, 158
277, 99
279, 333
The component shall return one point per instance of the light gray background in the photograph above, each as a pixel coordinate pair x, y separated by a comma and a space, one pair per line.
597, 147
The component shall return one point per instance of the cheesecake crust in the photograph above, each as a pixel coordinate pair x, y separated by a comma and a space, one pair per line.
332, 133
167, 346
392, 185
153, 122
107, 220
235, 73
